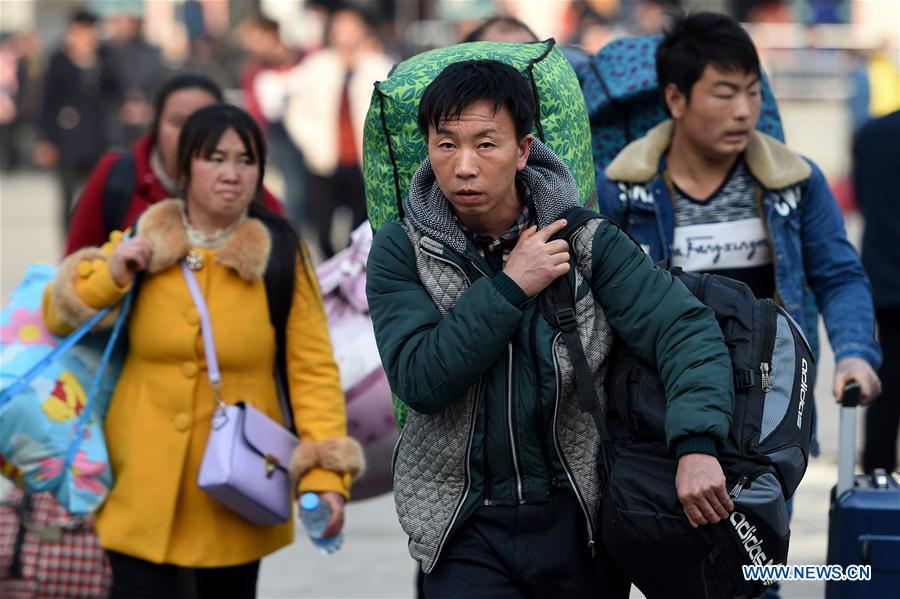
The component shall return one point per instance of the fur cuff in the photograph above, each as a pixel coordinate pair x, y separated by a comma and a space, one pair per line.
343, 455
66, 301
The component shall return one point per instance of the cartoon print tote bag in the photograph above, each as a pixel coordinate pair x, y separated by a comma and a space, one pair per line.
54, 392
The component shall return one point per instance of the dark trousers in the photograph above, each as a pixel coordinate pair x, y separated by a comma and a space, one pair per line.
325, 194
883, 414
135, 578
523, 551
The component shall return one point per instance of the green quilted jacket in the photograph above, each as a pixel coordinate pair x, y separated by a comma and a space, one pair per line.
492, 416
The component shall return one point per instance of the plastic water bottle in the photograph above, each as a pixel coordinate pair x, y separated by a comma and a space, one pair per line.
314, 513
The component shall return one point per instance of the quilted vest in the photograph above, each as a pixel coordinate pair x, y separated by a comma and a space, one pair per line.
431, 461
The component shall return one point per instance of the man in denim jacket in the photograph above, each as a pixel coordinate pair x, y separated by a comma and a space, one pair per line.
708, 191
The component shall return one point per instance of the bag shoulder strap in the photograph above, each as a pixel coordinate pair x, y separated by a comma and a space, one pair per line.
558, 304
21, 383
117, 192
209, 343
279, 303
279, 298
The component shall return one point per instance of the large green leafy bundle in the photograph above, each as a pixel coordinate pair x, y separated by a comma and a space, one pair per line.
394, 148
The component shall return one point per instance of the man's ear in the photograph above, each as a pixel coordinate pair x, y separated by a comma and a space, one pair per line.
524, 150
676, 101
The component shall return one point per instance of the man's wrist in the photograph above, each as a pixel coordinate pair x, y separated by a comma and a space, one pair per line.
509, 289
696, 444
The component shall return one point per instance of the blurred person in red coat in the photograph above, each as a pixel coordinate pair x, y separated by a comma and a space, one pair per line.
134, 181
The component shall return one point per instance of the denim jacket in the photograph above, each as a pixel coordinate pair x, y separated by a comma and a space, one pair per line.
816, 268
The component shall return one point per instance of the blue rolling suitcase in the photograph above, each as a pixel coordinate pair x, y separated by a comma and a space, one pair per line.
864, 520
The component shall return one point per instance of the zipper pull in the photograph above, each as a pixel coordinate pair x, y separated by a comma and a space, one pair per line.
766, 378
739, 487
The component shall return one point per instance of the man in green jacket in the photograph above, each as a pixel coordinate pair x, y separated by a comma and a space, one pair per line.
495, 475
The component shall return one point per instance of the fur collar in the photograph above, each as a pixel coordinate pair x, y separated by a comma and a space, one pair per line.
770, 161
246, 250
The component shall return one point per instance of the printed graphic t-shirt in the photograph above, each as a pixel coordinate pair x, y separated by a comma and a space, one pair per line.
725, 234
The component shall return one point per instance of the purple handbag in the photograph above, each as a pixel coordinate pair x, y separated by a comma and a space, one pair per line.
245, 465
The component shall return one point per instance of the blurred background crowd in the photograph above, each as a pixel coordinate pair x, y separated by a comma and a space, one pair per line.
77, 78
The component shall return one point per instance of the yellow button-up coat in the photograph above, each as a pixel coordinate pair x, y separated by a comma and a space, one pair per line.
159, 417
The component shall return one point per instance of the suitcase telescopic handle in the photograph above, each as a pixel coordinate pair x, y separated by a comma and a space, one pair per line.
847, 438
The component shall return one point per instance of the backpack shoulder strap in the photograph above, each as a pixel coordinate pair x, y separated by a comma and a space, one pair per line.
117, 191
279, 297
557, 302
575, 217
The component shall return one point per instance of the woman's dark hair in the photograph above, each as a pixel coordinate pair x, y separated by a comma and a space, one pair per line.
503, 22
696, 40
199, 137
178, 83
201, 134
464, 83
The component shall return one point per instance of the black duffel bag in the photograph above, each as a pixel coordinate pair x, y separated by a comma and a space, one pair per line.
764, 457
642, 523
645, 531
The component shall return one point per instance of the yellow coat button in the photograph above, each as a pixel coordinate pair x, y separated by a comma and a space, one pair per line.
189, 369
97, 264
192, 316
182, 421
84, 269
116, 236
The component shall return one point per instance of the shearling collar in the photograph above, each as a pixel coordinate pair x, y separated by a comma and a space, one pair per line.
770, 161
246, 250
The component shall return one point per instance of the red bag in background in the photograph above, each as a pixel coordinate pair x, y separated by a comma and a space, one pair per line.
55, 554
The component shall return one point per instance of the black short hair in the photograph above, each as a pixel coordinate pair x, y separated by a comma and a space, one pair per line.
697, 40
178, 83
503, 22
464, 83
83, 17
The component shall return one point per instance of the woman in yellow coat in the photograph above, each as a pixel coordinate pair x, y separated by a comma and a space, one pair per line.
156, 518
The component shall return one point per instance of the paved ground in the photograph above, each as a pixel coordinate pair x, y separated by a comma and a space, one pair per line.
374, 562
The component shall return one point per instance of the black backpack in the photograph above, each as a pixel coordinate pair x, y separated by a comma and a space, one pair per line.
117, 192
764, 457
774, 369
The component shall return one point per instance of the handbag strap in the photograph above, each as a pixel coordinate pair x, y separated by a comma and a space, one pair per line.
88, 411
212, 360
209, 342
21, 383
